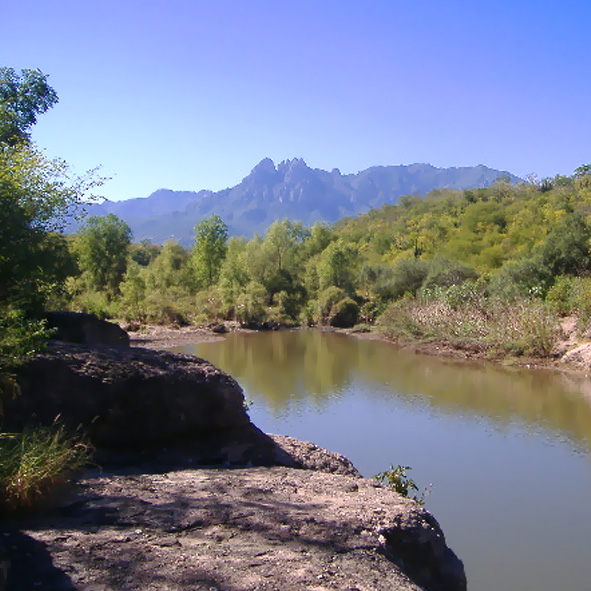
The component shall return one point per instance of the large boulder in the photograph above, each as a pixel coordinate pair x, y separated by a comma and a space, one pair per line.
86, 329
126, 397
140, 406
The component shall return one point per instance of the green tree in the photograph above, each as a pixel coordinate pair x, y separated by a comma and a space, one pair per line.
36, 194
234, 274
101, 246
171, 268
337, 265
22, 97
35, 197
281, 246
209, 252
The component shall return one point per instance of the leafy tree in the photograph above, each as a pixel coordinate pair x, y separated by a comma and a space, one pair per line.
251, 305
566, 249
101, 245
234, 274
36, 193
35, 197
583, 170
318, 238
133, 292
171, 268
211, 235
336, 266
22, 97
281, 244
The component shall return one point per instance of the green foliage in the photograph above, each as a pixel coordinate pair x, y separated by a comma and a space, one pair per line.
344, 314
559, 296
251, 305
336, 266
170, 268
327, 299
20, 338
144, 252
101, 246
35, 195
33, 464
398, 480
209, 252
22, 97
445, 272
406, 276
572, 295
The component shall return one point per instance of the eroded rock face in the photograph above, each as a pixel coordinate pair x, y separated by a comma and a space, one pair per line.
274, 529
127, 398
153, 408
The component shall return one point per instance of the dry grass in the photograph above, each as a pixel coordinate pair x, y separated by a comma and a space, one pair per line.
525, 327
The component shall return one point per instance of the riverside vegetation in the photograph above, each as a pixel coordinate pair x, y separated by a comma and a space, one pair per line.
489, 270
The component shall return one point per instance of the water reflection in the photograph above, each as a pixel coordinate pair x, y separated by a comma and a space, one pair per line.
287, 368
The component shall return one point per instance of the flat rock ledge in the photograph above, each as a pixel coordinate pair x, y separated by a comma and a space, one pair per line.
244, 529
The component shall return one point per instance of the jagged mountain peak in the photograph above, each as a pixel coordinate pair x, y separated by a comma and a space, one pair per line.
265, 166
289, 190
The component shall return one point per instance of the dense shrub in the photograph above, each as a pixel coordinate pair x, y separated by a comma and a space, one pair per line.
444, 272
344, 313
327, 299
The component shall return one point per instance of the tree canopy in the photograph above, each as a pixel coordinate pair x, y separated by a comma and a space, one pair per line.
22, 97
101, 246
211, 236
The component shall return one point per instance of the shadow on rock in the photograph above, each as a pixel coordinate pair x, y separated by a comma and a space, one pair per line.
30, 565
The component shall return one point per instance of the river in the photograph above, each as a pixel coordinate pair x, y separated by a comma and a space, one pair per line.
505, 452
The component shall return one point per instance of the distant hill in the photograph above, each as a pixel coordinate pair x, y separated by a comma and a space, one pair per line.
290, 190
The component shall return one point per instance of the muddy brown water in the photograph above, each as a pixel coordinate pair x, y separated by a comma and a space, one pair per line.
507, 451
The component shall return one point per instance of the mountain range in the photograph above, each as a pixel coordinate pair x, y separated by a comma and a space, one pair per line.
290, 190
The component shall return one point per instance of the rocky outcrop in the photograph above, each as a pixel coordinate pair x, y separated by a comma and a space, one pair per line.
274, 529
127, 397
139, 406
155, 522
86, 329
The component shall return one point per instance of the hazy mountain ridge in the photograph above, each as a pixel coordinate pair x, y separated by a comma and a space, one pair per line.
289, 190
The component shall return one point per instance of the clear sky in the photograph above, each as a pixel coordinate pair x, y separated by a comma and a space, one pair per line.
191, 94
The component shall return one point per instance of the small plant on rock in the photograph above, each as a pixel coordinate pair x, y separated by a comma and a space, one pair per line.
397, 480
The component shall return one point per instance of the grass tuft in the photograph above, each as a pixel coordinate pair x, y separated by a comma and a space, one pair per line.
33, 464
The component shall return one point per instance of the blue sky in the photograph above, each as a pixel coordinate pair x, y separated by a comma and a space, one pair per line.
191, 95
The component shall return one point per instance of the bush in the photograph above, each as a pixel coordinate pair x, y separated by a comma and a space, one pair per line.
19, 338
325, 303
581, 303
406, 276
344, 313
445, 272
559, 296
251, 305
520, 278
